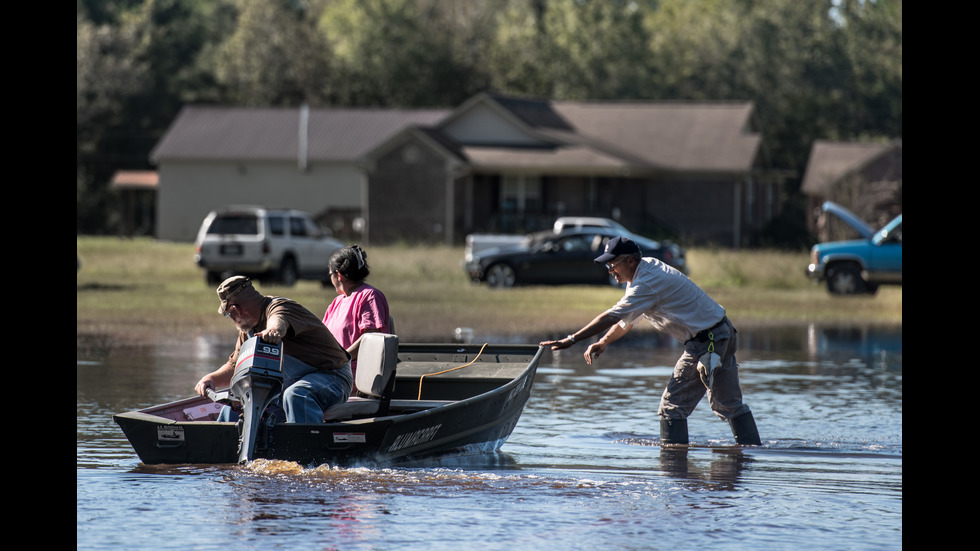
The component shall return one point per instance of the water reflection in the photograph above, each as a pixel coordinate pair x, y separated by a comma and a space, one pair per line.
721, 473
878, 347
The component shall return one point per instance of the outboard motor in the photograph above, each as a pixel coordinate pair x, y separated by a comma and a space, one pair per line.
256, 383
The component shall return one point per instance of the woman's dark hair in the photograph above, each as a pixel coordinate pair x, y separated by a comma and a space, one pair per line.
351, 262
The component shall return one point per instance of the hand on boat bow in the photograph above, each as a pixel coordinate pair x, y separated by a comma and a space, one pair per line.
559, 344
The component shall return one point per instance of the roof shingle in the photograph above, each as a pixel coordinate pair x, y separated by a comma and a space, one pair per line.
678, 136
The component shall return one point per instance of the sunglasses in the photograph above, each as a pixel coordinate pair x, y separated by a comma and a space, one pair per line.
611, 265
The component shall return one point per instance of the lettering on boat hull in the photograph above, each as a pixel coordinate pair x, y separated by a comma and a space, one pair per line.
414, 438
515, 391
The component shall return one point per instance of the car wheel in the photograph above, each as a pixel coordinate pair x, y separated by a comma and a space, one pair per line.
287, 272
212, 278
501, 275
845, 280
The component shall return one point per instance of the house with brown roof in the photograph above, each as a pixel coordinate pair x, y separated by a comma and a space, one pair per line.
865, 178
695, 171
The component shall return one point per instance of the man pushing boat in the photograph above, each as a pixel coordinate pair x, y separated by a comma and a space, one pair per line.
316, 369
675, 305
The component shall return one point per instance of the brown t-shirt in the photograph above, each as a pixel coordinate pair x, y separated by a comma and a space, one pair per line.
305, 339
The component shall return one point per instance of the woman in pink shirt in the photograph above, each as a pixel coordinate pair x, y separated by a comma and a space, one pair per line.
358, 307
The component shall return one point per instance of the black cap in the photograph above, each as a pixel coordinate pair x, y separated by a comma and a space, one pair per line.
616, 246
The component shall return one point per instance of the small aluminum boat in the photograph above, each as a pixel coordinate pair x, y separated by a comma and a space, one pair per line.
418, 400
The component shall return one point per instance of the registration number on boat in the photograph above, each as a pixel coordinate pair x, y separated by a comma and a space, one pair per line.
349, 437
167, 433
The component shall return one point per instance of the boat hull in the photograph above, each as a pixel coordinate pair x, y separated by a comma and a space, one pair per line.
471, 408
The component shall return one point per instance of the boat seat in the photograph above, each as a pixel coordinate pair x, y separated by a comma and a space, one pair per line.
377, 358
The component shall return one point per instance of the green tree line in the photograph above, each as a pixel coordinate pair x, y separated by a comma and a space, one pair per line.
821, 69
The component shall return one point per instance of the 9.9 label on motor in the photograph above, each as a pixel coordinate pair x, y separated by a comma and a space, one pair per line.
267, 349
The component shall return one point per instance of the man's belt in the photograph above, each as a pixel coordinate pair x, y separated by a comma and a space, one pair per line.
702, 336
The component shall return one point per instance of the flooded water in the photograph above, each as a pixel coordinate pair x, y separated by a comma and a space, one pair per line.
582, 470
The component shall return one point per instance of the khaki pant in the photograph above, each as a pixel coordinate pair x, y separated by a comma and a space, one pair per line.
686, 386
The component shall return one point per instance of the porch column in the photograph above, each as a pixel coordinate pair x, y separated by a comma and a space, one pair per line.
737, 215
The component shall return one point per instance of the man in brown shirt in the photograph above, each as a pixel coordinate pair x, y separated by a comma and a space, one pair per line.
316, 369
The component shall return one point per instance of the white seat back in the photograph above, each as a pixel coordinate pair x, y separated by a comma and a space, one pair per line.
377, 357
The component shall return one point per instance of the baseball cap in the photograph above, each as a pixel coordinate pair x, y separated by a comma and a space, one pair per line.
235, 286
616, 246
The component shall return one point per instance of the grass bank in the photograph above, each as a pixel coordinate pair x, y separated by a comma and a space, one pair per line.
136, 290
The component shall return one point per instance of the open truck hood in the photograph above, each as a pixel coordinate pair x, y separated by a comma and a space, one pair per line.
850, 218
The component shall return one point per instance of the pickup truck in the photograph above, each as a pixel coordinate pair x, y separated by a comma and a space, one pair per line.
860, 265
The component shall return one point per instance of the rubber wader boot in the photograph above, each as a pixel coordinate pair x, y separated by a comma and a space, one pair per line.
673, 431
744, 429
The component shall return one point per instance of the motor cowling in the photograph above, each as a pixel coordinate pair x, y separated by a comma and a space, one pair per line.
256, 383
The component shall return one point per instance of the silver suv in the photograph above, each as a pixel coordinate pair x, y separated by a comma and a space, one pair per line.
279, 245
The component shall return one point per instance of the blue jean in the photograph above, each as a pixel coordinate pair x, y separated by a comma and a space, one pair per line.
307, 398
309, 392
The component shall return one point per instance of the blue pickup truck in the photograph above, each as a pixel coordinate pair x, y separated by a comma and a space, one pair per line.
860, 265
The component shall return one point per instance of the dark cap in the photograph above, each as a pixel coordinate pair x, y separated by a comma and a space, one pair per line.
235, 287
616, 246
